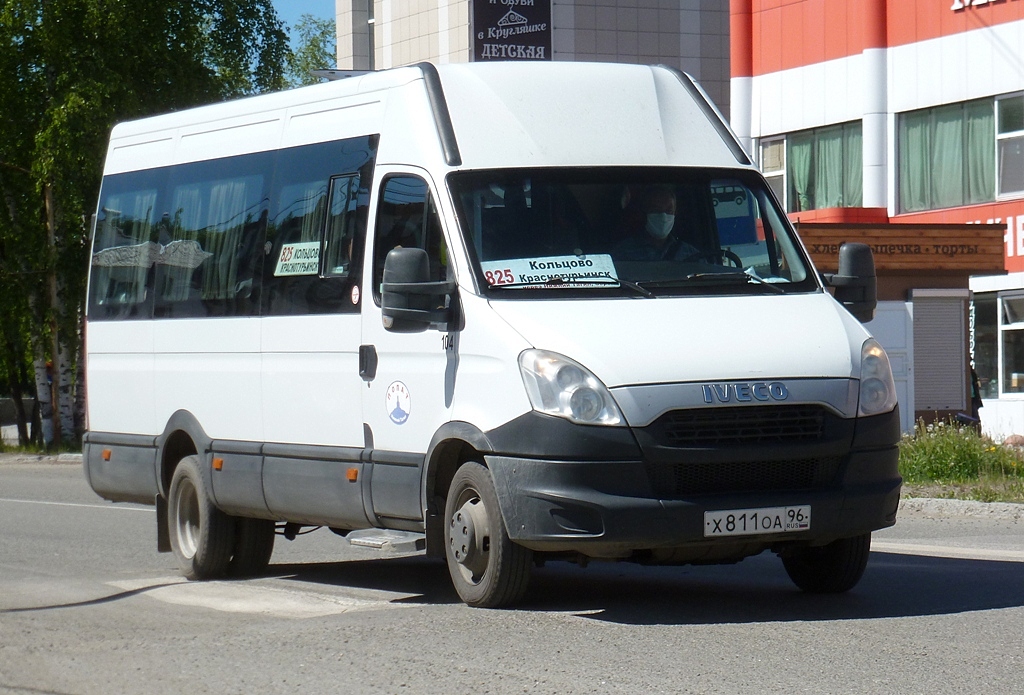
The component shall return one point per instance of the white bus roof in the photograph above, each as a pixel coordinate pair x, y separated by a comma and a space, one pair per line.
476, 116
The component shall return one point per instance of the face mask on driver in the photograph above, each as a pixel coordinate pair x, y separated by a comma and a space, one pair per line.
659, 224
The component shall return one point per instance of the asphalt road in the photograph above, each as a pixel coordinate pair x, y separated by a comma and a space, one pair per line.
87, 605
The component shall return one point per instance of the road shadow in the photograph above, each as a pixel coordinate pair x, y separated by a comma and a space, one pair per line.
758, 590
753, 591
425, 579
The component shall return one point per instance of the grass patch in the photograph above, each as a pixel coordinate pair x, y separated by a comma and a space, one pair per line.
949, 460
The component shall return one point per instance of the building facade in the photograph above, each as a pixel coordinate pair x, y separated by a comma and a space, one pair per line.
902, 112
692, 35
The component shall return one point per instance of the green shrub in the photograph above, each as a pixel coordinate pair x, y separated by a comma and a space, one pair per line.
947, 452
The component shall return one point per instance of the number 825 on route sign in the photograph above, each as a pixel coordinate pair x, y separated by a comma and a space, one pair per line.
749, 522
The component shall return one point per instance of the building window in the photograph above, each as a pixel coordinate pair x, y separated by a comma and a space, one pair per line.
814, 169
946, 157
825, 168
1010, 144
773, 166
1011, 330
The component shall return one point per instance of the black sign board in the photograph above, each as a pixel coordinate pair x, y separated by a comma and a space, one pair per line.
511, 29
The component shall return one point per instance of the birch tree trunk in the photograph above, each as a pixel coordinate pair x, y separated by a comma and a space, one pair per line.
65, 389
80, 389
42, 392
51, 283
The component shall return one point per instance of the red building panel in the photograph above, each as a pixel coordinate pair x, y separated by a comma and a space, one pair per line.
794, 33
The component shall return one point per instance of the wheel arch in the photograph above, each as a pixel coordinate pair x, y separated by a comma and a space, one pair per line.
452, 445
182, 436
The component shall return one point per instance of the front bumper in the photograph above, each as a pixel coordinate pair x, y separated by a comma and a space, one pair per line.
613, 509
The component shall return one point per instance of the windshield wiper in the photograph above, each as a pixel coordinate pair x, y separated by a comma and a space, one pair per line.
725, 278
558, 281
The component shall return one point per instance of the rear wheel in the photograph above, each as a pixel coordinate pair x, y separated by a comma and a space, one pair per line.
254, 544
829, 569
202, 536
487, 569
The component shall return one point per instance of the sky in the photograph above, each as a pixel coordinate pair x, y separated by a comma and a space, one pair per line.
289, 11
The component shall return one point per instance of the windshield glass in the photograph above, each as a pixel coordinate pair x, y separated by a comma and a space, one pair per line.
643, 231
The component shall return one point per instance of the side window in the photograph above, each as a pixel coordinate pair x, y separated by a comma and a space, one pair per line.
407, 217
124, 251
317, 227
342, 224
210, 238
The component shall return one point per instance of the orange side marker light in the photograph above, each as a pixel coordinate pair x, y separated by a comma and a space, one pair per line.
352, 474
218, 463
106, 454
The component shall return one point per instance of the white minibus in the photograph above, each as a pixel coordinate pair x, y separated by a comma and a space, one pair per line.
503, 313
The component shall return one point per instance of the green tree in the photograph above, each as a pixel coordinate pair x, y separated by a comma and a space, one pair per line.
315, 50
69, 70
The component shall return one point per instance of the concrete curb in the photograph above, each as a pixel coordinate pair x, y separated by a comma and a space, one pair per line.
938, 508
68, 459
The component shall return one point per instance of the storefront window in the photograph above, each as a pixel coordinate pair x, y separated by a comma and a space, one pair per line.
985, 344
1012, 330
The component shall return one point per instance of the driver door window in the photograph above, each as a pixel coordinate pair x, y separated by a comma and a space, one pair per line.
407, 217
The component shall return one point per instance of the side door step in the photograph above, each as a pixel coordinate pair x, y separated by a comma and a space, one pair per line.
388, 540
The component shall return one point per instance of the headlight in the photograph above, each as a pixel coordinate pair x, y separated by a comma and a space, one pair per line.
558, 386
877, 388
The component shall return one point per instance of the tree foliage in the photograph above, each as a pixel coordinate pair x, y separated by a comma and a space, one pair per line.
69, 70
315, 49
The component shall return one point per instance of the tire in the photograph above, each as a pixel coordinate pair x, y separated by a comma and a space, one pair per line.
254, 544
487, 569
829, 569
202, 536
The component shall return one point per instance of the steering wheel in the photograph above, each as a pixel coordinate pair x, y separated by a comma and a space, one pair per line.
718, 257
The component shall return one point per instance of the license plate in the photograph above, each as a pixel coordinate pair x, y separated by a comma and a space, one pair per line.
748, 522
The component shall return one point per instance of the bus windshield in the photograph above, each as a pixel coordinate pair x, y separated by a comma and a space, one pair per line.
656, 231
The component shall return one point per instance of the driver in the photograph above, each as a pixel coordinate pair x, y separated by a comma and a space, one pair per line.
653, 240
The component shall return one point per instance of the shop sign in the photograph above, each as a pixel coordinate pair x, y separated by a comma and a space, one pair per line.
962, 248
511, 30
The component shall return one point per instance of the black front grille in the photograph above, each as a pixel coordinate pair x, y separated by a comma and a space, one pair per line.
767, 424
672, 480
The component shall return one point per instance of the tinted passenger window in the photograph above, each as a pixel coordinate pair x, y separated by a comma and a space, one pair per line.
234, 236
124, 248
317, 226
210, 239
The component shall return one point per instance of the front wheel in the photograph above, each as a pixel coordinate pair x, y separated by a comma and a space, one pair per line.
202, 536
829, 569
487, 568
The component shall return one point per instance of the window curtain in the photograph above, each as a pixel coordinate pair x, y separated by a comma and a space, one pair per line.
828, 168
915, 146
314, 205
981, 132
853, 165
947, 161
798, 160
224, 223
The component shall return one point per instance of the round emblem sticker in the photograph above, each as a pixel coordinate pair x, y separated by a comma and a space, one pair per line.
355, 294
398, 402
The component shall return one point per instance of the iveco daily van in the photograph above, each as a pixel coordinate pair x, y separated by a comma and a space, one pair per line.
507, 312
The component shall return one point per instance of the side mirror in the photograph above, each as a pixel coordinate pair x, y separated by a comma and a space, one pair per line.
855, 283
410, 302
